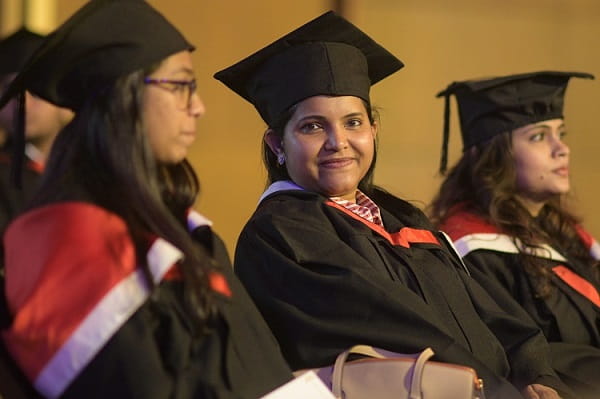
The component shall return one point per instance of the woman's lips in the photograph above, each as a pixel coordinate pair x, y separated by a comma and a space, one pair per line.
336, 162
564, 171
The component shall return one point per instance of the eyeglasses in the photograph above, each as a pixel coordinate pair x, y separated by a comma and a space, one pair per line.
182, 89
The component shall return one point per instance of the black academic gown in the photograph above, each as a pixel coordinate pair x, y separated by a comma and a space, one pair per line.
569, 320
153, 353
326, 280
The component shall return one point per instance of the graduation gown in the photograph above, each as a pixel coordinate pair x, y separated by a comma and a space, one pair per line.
569, 316
86, 325
326, 279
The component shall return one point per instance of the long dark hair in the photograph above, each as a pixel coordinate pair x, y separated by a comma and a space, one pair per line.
276, 172
103, 157
484, 181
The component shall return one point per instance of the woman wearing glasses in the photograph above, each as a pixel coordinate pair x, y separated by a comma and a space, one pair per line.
115, 288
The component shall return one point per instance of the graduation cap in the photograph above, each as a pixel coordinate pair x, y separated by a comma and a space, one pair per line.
103, 41
488, 107
16, 49
326, 56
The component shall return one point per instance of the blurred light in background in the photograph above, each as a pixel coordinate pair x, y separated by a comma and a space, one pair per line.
37, 15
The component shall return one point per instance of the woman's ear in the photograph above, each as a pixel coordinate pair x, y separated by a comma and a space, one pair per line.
274, 142
374, 129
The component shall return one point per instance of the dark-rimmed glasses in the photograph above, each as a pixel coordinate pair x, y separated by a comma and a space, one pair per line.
182, 89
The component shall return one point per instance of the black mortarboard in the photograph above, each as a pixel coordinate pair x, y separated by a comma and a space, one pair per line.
102, 41
16, 49
326, 56
488, 107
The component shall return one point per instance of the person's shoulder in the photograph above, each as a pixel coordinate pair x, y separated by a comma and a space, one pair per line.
74, 219
291, 195
292, 203
588, 239
78, 213
52, 243
401, 209
292, 210
462, 221
201, 230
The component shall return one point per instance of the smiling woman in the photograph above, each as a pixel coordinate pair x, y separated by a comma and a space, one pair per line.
328, 145
333, 261
503, 204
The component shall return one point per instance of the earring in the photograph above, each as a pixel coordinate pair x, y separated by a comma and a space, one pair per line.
280, 158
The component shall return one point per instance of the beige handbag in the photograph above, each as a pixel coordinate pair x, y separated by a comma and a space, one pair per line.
390, 375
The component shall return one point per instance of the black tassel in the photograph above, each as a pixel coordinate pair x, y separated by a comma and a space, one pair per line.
18, 149
446, 136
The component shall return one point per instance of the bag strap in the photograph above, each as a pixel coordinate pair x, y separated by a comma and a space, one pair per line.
415, 386
417, 377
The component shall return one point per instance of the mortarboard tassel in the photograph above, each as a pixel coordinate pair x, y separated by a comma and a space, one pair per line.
18, 150
446, 134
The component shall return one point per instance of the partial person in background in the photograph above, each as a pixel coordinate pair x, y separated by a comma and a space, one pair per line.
330, 260
43, 122
115, 287
504, 205
15, 49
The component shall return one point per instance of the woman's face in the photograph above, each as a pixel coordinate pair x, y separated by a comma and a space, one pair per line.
328, 145
43, 121
170, 109
541, 160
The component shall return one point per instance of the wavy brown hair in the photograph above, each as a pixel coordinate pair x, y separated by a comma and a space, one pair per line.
484, 181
